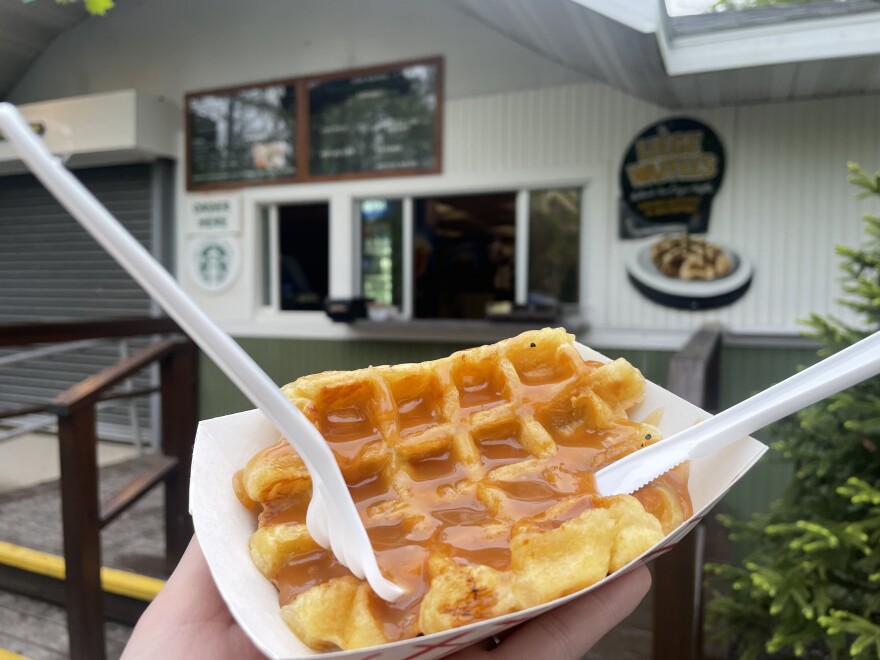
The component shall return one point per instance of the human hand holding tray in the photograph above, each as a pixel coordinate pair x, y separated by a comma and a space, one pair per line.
224, 527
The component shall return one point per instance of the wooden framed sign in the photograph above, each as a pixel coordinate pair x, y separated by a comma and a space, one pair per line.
372, 122
379, 121
241, 135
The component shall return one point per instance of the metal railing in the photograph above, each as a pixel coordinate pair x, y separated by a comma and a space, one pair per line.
45, 422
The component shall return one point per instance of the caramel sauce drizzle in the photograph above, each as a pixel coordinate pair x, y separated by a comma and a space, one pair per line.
443, 514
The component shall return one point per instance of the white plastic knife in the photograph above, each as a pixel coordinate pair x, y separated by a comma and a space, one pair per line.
844, 369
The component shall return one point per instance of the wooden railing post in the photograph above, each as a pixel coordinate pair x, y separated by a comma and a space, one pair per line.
80, 511
179, 418
678, 575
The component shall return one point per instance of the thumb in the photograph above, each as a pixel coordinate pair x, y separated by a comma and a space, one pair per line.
569, 631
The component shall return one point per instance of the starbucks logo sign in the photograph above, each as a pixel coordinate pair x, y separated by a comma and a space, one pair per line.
214, 262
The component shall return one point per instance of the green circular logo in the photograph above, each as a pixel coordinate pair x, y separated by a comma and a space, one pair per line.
214, 263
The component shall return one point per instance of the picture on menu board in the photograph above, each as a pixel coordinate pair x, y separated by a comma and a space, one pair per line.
377, 121
243, 135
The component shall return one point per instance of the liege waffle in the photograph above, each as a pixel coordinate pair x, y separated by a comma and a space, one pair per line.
473, 474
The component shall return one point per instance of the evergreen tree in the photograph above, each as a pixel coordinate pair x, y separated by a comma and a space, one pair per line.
810, 586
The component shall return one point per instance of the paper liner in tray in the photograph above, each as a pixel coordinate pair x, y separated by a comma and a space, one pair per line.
223, 526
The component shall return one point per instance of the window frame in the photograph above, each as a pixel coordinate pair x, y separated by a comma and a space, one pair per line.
253, 319
522, 224
265, 213
269, 271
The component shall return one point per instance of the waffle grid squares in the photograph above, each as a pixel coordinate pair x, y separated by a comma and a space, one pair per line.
430, 421
444, 460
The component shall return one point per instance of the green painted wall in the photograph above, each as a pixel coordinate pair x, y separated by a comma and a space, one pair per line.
743, 372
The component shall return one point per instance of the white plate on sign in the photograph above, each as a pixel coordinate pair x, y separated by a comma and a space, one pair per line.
689, 294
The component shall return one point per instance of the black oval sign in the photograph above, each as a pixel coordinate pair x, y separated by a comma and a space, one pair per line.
670, 174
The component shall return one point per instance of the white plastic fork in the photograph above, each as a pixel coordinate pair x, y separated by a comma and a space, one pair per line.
844, 369
332, 518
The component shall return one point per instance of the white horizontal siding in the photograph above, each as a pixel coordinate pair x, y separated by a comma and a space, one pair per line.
784, 202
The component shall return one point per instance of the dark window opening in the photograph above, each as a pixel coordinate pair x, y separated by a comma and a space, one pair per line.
463, 254
304, 248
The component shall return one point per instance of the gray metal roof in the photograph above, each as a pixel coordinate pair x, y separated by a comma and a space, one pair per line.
575, 36
25, 30
572, 35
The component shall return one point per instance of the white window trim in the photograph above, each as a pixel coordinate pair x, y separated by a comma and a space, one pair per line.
522, 228
263, 321
409, 231
521, 247
274, 263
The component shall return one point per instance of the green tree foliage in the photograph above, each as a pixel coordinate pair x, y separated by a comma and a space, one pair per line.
811, 585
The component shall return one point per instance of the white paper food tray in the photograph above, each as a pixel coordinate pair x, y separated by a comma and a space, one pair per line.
223, 445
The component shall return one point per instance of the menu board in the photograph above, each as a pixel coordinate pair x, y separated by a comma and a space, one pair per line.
375, 121
378, 121
246, 134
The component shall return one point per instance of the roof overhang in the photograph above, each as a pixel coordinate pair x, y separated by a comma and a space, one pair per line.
790, 36
110, 128
833, 37
813, 50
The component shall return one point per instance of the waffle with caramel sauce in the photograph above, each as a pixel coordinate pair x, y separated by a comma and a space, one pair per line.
474, 477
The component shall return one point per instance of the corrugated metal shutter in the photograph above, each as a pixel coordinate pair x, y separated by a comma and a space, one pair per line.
52, 270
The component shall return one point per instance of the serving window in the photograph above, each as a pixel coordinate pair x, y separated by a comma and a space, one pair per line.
381, 225
466, 256
296, 245
554, 245
463, 254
